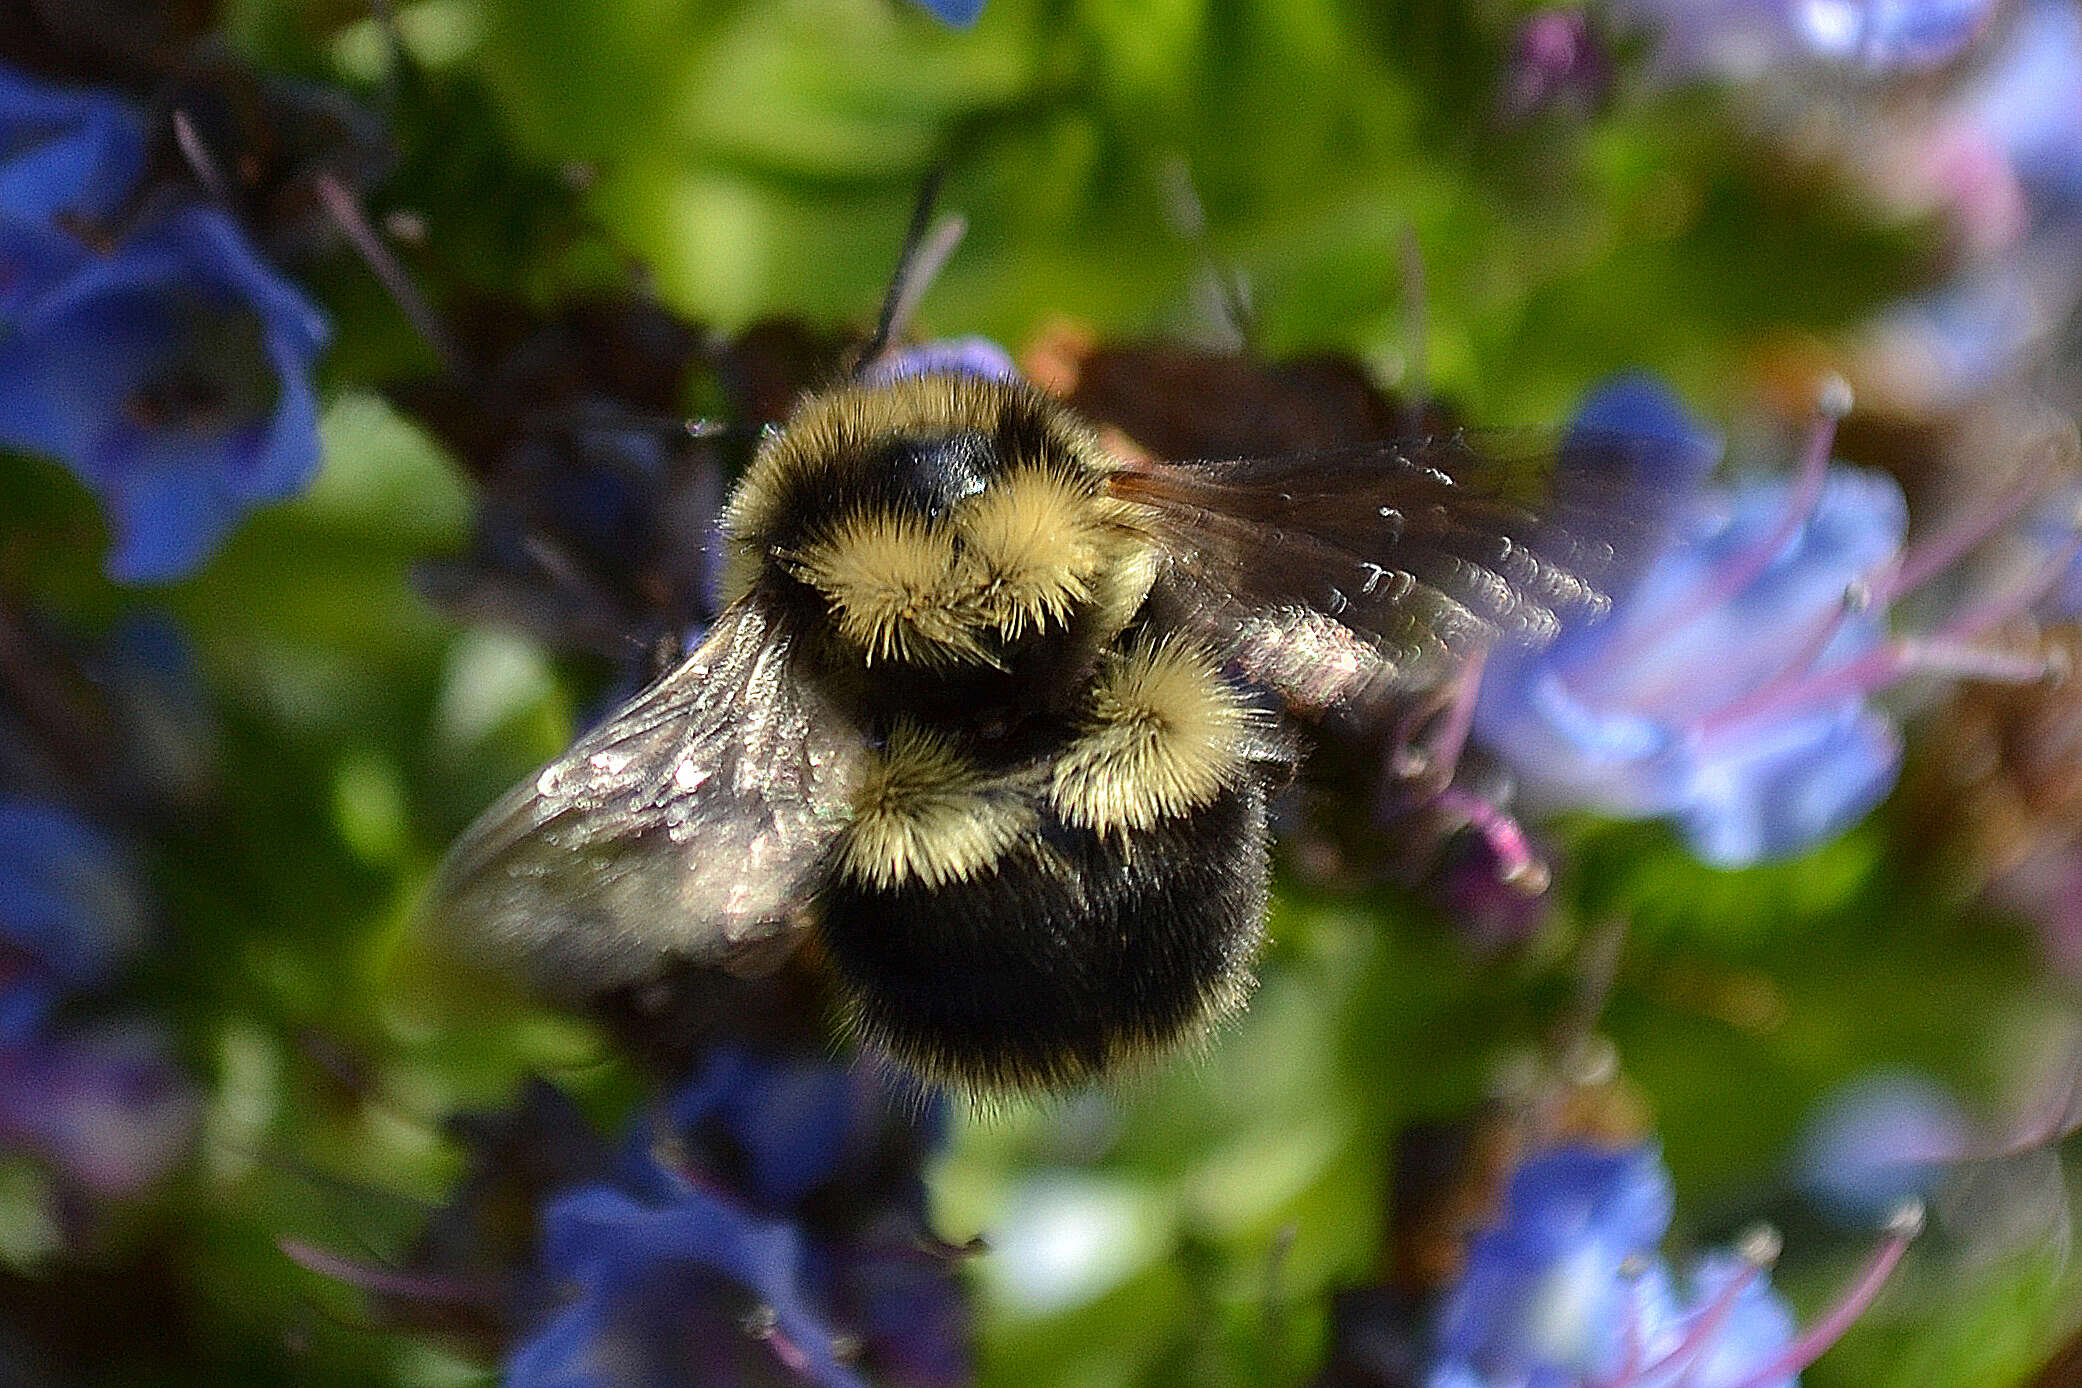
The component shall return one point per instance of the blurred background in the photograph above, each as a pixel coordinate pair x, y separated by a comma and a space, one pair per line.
345, 356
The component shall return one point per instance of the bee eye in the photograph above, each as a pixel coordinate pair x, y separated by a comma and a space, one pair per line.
931, 475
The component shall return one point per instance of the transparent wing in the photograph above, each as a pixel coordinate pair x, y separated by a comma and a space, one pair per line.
688, 825
1358, 576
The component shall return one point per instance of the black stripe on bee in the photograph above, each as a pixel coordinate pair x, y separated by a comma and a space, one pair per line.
1067, 955
1038, 924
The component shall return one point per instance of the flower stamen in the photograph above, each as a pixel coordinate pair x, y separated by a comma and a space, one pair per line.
1902, 1230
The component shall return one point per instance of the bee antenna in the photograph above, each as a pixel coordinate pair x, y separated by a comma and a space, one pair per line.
346, 213
927, 246
1188, 216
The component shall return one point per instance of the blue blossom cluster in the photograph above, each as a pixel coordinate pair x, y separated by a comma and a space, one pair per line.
766, 1225
1568, 1288
1564, 1284
1745, 39
101, 1104
2000, 156
673, 1272
597, 505
1732, 686
144, 340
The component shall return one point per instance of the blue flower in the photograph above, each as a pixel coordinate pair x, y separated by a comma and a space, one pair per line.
790, 1119
2002, 154
68, 158
768, 1228
1543, 1286
71, 910
1731, 685
696, 1290
1887, 1137
961, 13
171, 370
174, 375
1567, 1288
1750, 39
2026, 103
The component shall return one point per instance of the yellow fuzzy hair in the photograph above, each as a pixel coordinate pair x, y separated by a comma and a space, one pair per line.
842, 423
924, 813
891, 582
1024, 553
1035, 539
1162, 735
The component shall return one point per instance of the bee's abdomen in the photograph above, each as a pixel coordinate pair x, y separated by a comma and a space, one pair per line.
1070, 953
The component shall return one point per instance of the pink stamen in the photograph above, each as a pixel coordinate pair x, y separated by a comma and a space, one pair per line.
346, 213
2005, 604
1517, 864
1945, 650
2057, 1121
1925, 656
790, 1354
1936, 553
1747, 565
383, 1281
1901, 1232
1759, 1251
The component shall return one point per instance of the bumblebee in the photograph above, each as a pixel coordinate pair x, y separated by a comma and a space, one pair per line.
993, 715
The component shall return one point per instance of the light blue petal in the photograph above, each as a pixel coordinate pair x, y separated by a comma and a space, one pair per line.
1779, 789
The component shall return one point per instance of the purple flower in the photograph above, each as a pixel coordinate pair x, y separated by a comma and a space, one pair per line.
1566, 1289
1556, 60
1731, 686
108, 1109
952, 356
597, 524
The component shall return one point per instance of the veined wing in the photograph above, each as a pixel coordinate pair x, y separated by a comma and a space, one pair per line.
688, 825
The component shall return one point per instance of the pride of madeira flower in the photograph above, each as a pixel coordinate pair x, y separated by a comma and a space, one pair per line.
1732, 686
149, 348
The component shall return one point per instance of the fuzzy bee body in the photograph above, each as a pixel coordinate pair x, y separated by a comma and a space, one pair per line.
995, 714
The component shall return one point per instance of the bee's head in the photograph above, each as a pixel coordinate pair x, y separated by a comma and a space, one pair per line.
942, 520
